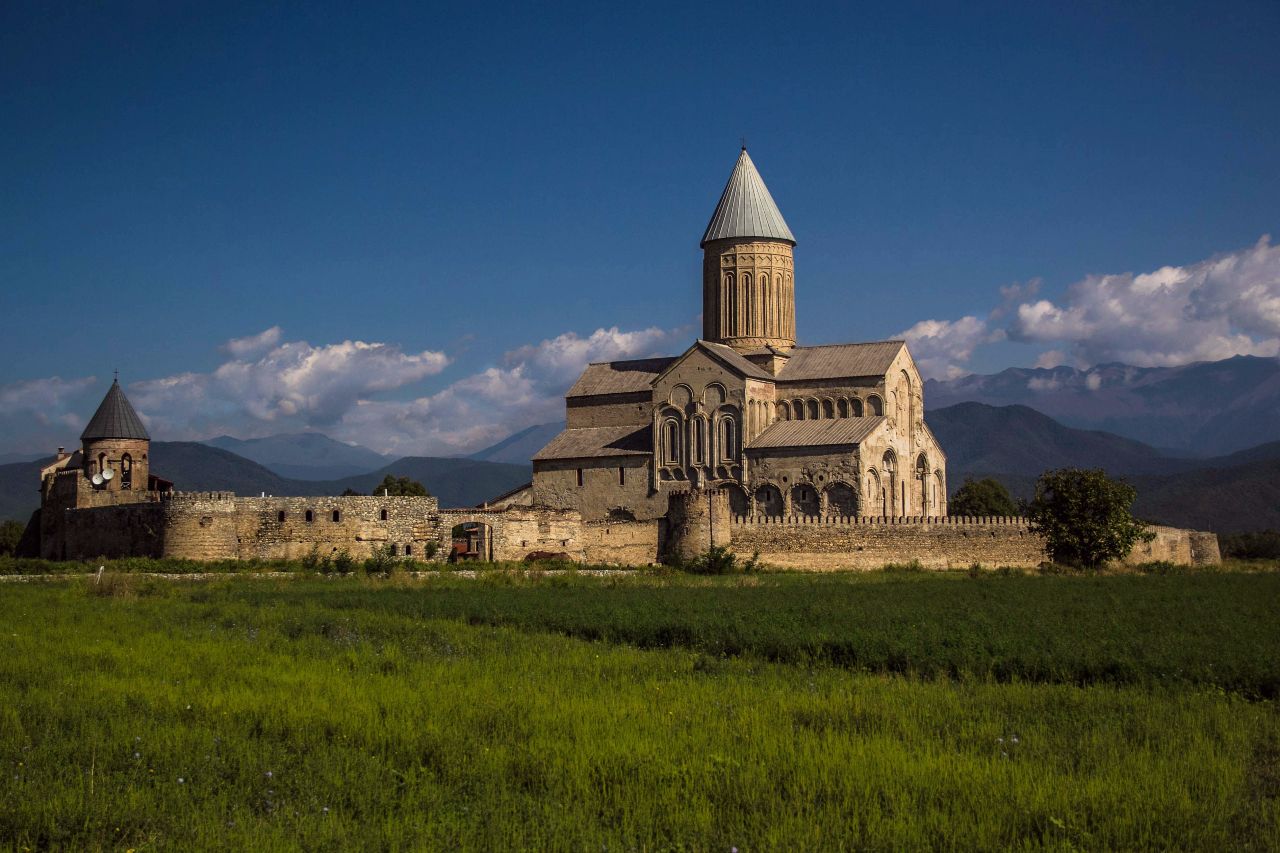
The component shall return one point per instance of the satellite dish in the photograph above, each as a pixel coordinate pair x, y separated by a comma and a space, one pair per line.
108, 473
97, 480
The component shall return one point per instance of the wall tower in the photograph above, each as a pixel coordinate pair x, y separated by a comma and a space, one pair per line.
116, 441
748, 291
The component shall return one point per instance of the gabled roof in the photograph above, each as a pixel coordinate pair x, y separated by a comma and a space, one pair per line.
594, 442
735, 360
115, 418
830, 432
619, 377
838, 361
746, 209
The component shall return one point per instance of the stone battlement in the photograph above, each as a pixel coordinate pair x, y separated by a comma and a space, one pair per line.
847, 520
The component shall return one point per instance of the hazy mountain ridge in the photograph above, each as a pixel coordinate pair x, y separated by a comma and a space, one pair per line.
1206, 408
519, 447
303, 455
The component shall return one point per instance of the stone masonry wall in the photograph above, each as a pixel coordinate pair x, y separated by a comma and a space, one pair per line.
622, 543
816, 544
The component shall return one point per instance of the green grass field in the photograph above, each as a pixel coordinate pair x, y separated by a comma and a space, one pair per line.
881, 711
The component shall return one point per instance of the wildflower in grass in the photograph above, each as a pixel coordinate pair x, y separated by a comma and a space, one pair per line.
181, 781
268, 774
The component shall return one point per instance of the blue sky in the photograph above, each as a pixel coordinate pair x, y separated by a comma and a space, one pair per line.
429, 217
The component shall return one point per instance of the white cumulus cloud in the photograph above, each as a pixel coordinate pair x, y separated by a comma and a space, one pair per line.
942, 347
1224, 306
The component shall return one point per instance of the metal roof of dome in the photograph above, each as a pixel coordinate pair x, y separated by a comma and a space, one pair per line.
746, 209
115, 418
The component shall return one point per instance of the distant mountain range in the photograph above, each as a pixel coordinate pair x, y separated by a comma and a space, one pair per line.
520, 447
304, 455
1203, 409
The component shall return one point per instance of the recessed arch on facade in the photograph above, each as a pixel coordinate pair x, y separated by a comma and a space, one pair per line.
797, 410
804, 499
681, 396
855, 407
828, 408
714, 395
876, 405
739, 501
769, 500
811, 409
842, 499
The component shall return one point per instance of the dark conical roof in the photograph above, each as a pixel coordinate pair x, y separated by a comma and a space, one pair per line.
115, 418
746, 209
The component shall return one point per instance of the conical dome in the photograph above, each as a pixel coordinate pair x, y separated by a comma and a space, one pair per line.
115, 418
746, 209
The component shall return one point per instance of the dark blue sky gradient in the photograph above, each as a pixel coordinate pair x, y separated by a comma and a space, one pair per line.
474, 178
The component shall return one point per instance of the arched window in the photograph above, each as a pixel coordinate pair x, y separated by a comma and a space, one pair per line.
393, 549
828, 409
797, 410
280, 516
337, 516
671, 441
700, 441
855, 407
310, 516
842, 407
876, 405
811, 409
408, 550
382, 515
126, 471
728, 439
102, 462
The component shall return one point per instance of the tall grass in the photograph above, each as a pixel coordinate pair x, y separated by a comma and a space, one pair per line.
335, 715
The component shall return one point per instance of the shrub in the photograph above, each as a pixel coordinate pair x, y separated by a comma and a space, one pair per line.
381, 561
343, 562
719, 560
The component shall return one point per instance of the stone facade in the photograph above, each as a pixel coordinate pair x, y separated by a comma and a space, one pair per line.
830, 431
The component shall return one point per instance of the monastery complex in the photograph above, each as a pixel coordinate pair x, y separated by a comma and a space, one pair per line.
814, 458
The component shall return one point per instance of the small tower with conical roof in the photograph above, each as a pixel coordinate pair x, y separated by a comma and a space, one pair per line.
748, 291
116, 445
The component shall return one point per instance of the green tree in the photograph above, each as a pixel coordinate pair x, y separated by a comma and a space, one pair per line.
349, 492
10, 536
982, 497
1085, 517
401, 487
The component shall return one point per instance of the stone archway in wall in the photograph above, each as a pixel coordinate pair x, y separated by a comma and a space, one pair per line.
769, 501
471, 541
842, 500
804, 500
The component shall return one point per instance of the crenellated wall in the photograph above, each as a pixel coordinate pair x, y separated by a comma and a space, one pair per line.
219, 525
829, 544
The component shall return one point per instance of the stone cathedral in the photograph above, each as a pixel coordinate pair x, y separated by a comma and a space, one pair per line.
786, 430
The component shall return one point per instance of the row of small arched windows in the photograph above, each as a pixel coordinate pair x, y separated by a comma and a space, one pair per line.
813, 409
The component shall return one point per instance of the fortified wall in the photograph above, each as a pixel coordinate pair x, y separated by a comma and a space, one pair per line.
220, 526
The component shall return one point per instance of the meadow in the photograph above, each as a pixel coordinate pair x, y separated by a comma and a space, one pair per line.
875, 711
